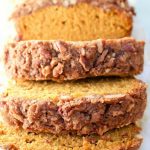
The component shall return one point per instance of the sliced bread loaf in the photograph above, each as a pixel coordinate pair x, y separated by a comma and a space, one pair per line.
72, 19
60, 60
83, 107
119, 139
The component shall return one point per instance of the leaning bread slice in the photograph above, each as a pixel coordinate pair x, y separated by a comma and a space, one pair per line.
72, 19
60, 60
125, 138
83, 107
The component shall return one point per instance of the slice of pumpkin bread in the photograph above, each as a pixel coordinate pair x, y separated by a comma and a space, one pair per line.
83, 107
72, 19
60, 60
125, 138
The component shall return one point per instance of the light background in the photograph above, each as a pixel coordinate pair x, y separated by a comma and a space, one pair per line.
141, 31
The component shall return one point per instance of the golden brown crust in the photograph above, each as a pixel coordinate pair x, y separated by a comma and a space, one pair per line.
25, 7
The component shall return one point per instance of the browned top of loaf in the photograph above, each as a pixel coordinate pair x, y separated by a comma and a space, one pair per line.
83, 107
25, 7
63, 60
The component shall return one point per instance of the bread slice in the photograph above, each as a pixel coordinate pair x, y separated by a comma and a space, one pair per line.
72, 19
82, 107
62, 60
119, 139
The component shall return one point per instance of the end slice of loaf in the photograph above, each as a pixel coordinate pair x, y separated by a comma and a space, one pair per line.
83, 107
62, 60
72, 20
119, 139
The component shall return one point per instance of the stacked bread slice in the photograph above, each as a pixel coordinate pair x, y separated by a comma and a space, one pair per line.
72, 20
68, 93
123, 138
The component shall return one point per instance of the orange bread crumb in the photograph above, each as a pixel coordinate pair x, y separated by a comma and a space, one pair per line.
81, 21
120, 139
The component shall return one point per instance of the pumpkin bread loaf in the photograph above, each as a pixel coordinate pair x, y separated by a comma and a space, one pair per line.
73, 20
126, 138
60, 60
83, 107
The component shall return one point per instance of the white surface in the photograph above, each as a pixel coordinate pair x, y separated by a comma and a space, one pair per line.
143, 12
141, 31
